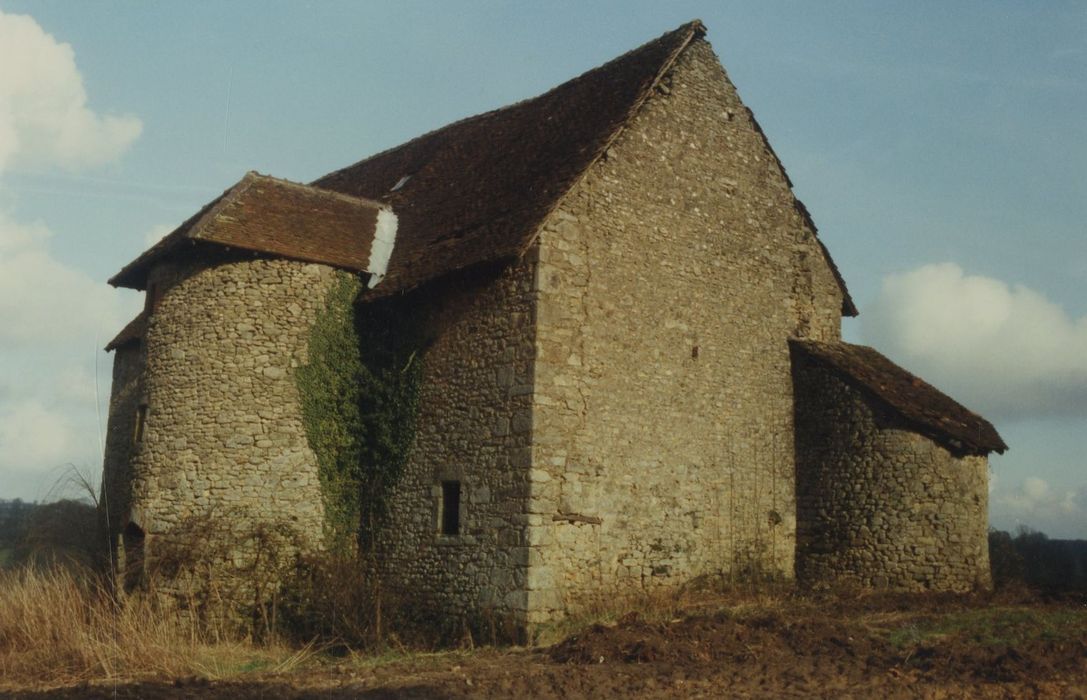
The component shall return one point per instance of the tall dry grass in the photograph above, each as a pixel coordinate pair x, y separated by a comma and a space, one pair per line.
59, 626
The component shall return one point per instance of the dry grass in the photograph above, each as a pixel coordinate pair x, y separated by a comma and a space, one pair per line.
61, 627
665, 604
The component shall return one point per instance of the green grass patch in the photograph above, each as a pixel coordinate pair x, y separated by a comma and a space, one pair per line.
993, 627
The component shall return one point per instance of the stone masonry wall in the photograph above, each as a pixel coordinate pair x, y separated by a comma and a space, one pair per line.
880, 505
669, 282
473, 427
224, 449
126, 392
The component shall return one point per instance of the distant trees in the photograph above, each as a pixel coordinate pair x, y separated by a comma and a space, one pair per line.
1032, 558
61, 531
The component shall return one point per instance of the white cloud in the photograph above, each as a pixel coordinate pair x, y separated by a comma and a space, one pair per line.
45, 301
54, 317
1001, 350
156, 234
53, 320
1039, 506
44, 118
33, 434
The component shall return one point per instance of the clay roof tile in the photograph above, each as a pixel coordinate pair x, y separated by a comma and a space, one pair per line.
930, 411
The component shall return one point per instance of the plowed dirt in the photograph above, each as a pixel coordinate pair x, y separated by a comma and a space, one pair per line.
874, 647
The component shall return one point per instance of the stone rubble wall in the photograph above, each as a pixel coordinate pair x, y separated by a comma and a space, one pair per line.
473, 426
126, 392
669, 281
880, 505
224, 443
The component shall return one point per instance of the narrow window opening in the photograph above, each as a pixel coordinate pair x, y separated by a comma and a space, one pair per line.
450, 507
132, 538
153, 296
141, 423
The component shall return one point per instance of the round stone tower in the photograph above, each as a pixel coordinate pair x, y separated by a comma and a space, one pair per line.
215, 444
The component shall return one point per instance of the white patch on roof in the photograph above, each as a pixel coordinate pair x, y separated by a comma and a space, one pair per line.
382, 248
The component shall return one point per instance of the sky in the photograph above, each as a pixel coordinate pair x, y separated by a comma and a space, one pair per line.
941, 148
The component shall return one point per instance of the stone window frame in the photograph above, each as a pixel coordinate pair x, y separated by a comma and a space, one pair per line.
436, 497
139, 427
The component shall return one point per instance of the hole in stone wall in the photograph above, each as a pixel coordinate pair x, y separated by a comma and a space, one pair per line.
132, 539
141, 422
694, 352
450, 508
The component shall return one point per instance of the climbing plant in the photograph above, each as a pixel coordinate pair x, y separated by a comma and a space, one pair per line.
359, 393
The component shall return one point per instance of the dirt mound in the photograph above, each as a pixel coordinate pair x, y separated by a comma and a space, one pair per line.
830, 646
799, 651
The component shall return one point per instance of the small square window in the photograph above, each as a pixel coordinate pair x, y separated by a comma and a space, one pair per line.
450, 519
141, 423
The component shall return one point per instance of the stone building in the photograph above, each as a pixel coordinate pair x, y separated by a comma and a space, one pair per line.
626, 338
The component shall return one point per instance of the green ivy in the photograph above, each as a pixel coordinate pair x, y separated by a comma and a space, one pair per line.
359, 396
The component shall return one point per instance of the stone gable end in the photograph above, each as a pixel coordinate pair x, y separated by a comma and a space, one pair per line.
669, 281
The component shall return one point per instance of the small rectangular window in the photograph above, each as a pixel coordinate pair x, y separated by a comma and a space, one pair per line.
141, 422
153, 296
450, 507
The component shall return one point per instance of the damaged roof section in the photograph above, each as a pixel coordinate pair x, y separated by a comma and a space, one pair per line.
926, 407
276, 217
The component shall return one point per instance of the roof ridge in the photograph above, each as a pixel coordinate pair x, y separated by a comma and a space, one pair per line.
331, 194
196, 230
695, 29
694, 26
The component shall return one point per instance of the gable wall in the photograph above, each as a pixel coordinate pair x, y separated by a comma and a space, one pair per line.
652, 465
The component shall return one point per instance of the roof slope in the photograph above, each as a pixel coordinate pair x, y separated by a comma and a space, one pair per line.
478, 189
474, 191
930, 410
278, 217
133, 330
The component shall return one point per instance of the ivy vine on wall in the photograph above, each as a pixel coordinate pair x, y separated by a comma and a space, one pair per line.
359, 394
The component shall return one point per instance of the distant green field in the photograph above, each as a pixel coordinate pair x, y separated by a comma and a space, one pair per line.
5, 556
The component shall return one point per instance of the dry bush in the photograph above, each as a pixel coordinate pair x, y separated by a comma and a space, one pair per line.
225, 570
58, 627
335, 599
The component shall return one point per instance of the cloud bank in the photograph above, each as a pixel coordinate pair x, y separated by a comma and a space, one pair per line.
44, 118
1003, 350
1034, 503
54, 317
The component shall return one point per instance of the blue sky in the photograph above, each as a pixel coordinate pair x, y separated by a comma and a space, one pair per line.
941, 148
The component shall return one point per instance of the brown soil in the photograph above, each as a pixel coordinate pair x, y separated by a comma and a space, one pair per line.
885, 647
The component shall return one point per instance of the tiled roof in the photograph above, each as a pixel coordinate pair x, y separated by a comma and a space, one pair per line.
134, 330
931, 411
478, 189
472, 192
276, 217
